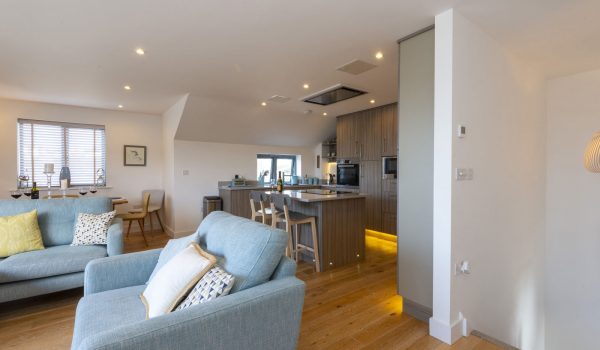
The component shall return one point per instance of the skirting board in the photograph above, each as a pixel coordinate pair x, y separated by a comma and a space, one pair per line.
416, 310
447, 333
494, 341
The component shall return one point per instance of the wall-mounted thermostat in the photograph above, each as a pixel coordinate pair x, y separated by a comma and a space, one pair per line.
461, 131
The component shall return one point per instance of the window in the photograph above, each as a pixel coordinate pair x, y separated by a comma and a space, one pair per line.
274, 163
81, 147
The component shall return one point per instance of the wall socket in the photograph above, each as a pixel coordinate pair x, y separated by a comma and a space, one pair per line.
186, 172
464, 174
462, 268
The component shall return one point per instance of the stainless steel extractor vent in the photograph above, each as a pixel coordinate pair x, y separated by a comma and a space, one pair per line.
333, 94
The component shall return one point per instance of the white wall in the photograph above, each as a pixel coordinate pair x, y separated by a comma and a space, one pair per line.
122, 128
170, 122
497, 219
572, 218
415, 169
208, 163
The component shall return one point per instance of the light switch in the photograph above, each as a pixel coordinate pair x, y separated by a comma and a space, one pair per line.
464, 174
461, 131
186, 172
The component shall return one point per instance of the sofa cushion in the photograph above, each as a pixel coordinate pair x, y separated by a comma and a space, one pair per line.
108, 310
248, 250
56, 217
20, 233
52, 261
92, 229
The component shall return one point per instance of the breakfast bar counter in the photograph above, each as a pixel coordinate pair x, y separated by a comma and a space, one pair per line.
340, 225
339, 212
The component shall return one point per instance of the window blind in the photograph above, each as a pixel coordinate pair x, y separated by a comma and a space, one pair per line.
81, 147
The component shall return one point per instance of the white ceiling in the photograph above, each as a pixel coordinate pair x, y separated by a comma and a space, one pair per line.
231, 55
236, 53
558, 37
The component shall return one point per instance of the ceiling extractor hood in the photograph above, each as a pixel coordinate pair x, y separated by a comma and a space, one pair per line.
333, 94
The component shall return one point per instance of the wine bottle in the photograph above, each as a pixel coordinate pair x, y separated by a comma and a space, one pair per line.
279, 183
35, 193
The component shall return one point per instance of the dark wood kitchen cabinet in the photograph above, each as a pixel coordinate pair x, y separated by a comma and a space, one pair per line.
370, 184
389, 130
364, 137
347, 137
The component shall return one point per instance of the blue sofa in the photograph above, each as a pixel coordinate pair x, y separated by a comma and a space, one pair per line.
263, 310
59, 266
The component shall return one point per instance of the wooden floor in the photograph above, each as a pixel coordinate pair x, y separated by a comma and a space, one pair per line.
354, 307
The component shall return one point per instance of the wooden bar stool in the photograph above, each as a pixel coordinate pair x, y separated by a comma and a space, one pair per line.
265, 212
281, 213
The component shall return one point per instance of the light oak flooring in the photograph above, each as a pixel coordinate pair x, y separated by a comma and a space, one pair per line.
354, 307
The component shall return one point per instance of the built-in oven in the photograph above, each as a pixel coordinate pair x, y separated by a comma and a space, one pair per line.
389, 167
348, 173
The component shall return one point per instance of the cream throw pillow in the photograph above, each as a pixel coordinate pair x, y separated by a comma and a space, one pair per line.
174, 280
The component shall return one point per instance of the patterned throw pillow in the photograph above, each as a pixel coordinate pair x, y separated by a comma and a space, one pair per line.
92, 228
215, 283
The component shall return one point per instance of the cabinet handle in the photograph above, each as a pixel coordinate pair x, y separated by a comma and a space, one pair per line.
384, 144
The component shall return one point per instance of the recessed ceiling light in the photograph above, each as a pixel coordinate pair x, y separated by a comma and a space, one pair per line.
140, 51
372, 101
127, 87
379, 55
263, 104
324, 113
120, 106
306, 86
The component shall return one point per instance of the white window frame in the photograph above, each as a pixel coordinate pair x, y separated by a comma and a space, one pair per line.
66, 161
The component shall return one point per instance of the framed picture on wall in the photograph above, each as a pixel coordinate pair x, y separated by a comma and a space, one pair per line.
134, 155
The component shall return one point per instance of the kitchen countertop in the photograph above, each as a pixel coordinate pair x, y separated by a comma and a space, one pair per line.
302, 196
265, 187
290, 187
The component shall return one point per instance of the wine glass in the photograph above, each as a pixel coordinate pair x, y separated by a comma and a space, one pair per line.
93, 189
15, 194
83, 191
27, 191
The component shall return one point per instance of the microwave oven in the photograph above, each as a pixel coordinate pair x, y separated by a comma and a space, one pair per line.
389, 167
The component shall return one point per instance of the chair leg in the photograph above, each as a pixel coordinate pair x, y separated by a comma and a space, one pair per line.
129, 228
297, 233
288, 229
141, 223
151, 226
313, 228
159, 221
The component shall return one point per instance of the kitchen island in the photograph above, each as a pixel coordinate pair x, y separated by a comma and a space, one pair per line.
340, 220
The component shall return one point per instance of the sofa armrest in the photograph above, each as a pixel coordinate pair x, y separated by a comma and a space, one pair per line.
114, 238
264, 317
119, 271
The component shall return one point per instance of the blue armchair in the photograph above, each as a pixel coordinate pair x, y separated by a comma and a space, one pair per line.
263, 310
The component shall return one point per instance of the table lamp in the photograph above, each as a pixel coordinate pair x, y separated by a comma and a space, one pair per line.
592, 154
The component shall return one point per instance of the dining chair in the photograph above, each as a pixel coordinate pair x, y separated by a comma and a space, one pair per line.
157, 198
140, 216
281, 213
